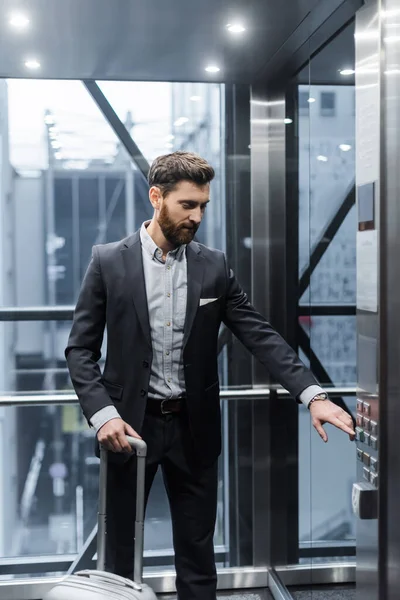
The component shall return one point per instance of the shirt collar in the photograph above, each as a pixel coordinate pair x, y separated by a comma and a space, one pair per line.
151, 247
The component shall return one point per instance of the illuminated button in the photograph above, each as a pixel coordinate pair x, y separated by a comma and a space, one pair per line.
367, 408
366, 473
359, 434
367, 438
374, 442
374, 464
366, 459
374, 428
359, 420
359, 454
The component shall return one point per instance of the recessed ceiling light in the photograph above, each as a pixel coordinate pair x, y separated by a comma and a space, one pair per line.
195, 98
288, 121
169, 145
235, 28
19, 21
322, 158
212, 69
181, 121
32, 64
170, 137
345, 147
311, 100
346, 71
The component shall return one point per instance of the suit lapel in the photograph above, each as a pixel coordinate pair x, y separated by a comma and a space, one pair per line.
195, 272
133, 262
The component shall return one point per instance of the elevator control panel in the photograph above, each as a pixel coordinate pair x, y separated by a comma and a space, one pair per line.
367, 439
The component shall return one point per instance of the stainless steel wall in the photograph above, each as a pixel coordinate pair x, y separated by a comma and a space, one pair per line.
390, 300
378, 162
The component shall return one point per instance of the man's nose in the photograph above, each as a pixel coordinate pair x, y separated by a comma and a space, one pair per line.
196, 216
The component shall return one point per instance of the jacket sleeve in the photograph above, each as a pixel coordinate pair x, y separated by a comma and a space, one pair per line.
263, 341
84, 344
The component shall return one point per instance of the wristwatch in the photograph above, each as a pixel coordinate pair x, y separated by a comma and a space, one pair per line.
322, 396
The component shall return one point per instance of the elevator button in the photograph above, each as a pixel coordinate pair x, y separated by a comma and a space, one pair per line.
359, 420
366, 459
367, 408
374, 477
360, 454
367, 423
360, 406
359, 434
374, 442
366, 473
367, 437
374, 428
374, 464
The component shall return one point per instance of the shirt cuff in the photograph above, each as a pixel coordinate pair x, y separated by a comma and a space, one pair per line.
309, 393
102, 416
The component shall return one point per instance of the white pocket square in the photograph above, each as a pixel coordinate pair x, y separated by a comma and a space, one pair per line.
204, 301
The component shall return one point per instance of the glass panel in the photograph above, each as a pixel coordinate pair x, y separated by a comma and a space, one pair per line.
51, 478
326, 163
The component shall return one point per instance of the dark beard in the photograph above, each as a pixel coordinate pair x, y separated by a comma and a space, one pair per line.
175, 234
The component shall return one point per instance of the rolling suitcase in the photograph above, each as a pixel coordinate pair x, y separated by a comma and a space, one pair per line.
98, 584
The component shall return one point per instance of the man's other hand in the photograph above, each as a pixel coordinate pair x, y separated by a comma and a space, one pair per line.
325, 411
113, 435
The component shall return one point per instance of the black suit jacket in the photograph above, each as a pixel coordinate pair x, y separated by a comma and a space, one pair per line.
113, 295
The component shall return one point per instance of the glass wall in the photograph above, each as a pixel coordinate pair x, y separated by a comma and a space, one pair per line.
68, 183
323, 133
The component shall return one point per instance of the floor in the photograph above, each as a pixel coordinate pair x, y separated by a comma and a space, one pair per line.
239, 595
338, 592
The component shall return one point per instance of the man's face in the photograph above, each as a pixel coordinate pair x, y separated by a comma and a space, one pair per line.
181, 212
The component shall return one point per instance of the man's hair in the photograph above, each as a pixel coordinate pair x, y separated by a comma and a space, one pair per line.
170, 169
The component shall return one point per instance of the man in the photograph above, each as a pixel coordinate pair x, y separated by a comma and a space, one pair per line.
163, 298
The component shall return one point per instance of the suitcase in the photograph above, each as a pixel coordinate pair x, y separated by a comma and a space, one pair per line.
98, 584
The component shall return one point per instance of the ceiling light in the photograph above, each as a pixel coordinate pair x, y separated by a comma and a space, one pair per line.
19, 21
212, 69
346, 72
195, 98
235, 28
32, 64
311, 100
345, 147
322, 158
170, 137
169, 145
56, 145
58, 155
181, 121
288, 121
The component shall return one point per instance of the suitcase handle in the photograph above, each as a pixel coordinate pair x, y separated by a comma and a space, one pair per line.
140, 448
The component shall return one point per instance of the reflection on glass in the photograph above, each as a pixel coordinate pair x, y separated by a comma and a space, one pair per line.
327, 246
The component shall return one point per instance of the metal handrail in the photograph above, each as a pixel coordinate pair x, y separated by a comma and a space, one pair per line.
245, 394
37, 313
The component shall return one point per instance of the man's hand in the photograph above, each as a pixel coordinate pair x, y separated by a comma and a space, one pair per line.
324, 411
113, 435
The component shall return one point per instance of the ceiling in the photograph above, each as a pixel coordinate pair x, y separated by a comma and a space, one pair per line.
324, 68
146, 40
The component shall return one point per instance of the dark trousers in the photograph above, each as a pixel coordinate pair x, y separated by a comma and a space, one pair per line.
192, 495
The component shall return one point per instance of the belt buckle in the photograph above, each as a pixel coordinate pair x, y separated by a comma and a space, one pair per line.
165, 412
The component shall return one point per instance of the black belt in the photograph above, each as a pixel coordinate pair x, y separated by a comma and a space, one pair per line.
165, 407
